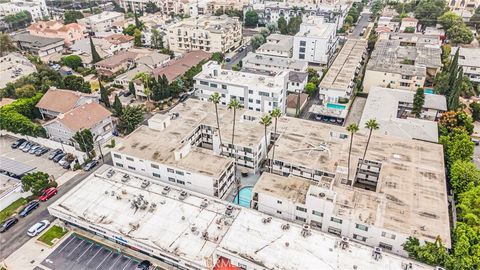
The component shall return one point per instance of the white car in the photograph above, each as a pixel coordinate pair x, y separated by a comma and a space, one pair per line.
38, 228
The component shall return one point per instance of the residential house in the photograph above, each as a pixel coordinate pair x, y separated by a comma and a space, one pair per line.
56, 29
57, 101
469, 60
277, 45
408, 23
116, 64
296, 103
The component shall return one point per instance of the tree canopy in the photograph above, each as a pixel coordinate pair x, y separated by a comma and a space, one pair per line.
251, 18
427, 11
71, 16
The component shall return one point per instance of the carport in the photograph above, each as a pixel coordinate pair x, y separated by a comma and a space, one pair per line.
13, 168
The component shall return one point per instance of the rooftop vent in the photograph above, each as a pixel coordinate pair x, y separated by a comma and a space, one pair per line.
344, 243
145, 183
165, 190
266, 220
204, 203
406, 266
183, 195
306, 231
229, 210
125, 178
377, 253
285, 226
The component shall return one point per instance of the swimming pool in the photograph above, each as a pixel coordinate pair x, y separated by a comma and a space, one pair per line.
428, 91
245, 197
336, 106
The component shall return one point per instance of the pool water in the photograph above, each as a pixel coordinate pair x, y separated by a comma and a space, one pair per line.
336, 106
428, 91
245, 197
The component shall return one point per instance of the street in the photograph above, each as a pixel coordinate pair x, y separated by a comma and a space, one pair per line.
239, 56
16, 236
362, 23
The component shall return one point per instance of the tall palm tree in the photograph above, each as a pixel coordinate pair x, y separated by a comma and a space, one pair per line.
266, 121
371, 124
234, 105
215, 99
276, 113
352, 128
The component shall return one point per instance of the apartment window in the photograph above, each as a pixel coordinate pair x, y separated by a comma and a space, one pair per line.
250, 91
171, 179
257, 101
316, 213
250, 100
302, 49
300, 219
303, 43
154, 166
117, 156
336, 220
129, 158
301, 209
301, 56
279, 212
223, 95
265, 94
131, 168
119, 164
214, 85
156, 175
179, 173
203, 83
181, 182
257, 109
224, 86
334, 231
388, 235
359, 237
279, 202
361, 227
170, 170
385, 246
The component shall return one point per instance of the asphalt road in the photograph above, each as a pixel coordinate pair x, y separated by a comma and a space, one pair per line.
239, 56
363, 22
16, 236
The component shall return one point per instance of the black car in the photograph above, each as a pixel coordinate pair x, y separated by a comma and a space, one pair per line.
58, 157
54, 153
29, 208
144, 265
18, 142
90, 165
183, 98
41, 151
7, 224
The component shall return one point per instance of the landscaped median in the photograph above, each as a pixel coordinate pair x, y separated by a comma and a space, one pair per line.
12, 208
53, 234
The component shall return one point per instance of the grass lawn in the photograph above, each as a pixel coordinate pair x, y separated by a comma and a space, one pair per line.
55, 232
7, 212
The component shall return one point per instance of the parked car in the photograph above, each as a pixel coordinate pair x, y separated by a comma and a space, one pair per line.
7, 224
475, 141
27, 147
67, 159
25, 143
58, 157
18, 143
38, 228
90, 165
29, 208
41, 151
67, 165
54, 153
183, 98
34, 148
47, 194
144, 265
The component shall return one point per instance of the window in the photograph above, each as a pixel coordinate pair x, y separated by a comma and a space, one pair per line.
302, 49
179, 173
300, 219
250, 91
257, 101
301, 209
131, 168
181, 182
214, 85
117, 156
279, 202
279, 212
388, 235
129, 158
316, 213
156, 175
385, 246
250, 100
301, 56
154, 166
203, 83
171, 179
224, 86
119, 164
303, 43
334, 230
170, 170
336, 220
359, 237
361, 227
265, 94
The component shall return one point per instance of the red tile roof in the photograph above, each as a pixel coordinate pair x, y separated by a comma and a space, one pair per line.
176, 68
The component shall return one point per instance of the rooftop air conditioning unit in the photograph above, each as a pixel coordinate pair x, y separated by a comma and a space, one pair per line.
377, 253
183, 195
204, 203
165, 190
285, 226
344, 242
266, 220
306, 231
229, 210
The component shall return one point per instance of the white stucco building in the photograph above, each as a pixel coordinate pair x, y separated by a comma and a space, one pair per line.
36, 8
101, 23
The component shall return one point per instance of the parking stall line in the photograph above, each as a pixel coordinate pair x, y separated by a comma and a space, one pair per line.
68, 243
110, 253
71, 252
78, 259
115, 262
100, 249
128, 262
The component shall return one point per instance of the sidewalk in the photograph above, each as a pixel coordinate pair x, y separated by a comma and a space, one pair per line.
67, 176
32, 253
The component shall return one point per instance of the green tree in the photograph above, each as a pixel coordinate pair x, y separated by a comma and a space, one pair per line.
72, 61
104, 95
464, 175
137, 41
275, 114
130, 30
138, 23
95, 56
264, 32
36, 182
151, 7
132, 117
6, 44
71, 16
427, 11
256, 41
131, 89
219, 12
460, 33
457, 146
294, 25
418, 102
449, 19
156, 39
372, 125
468, 206
26, 91
117, 107
352, 128
84, 139
449, 82
266, 121
475, 107
409, 29
251, 18
377, 7
272, 27
310, 89
218, 57
282, 25
76, 83
215, 99
234, 105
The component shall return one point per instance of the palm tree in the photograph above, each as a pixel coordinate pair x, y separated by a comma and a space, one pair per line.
352, 128
276, 113
266, 121
234, 105
371, 124
215, 99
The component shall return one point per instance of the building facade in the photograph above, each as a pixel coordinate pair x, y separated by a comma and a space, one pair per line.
277, 45
37, 8
469, 60
38, 45
56, 29
101, 23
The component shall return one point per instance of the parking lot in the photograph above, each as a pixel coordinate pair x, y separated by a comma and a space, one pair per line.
78, 253
40, 163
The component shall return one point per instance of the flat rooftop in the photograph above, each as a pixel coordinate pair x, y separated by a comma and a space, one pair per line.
469, 57
175, 227
261, 60
317, 28
276, 42
385, 104
14, 66
341, 73
292, 188
411, 188
216, 24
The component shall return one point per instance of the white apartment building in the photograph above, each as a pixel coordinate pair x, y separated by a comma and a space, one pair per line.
469, 60
102, 22
257, 92
187, 230
137, 5
403, 61
398, 191
207, 33
37, 8
315, 42
277, 45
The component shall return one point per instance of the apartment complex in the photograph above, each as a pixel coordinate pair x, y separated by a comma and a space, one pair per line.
403, 61
56, 29
37, 8
254, 91
101, 23
207, 33
189, 231
469, 60
116, 64
277, 45
38, 45
315, 42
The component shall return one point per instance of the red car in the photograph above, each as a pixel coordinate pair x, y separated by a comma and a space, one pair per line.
47, 194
